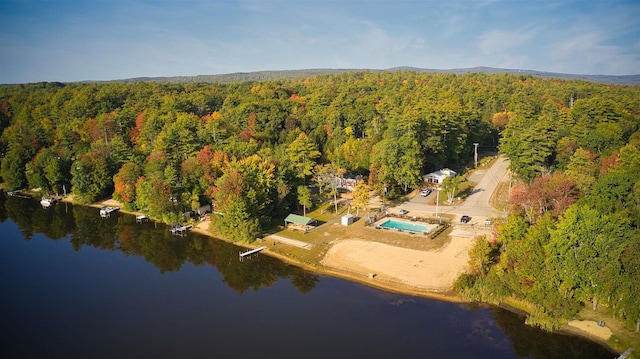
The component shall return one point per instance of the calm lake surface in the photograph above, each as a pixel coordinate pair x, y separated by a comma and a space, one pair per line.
75, 285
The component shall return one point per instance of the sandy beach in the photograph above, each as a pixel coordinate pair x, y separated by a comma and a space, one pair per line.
433, 271
592, 328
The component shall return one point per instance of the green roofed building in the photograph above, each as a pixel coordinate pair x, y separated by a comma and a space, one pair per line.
299, 222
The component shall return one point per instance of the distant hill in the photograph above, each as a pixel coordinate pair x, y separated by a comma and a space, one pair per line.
290, 74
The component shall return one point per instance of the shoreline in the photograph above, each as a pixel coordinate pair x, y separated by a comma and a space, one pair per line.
566, 329
321, 269
327, 271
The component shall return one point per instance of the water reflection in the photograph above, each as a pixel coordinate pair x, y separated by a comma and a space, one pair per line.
151, 241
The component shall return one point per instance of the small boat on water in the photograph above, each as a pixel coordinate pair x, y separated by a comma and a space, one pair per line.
105, 211
47, 201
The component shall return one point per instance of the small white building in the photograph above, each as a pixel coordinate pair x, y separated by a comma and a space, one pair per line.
438, 177
347, 219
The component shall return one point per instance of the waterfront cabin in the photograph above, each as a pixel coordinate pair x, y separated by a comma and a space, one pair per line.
204, 209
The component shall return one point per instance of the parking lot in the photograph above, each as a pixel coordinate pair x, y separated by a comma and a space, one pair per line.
476, 205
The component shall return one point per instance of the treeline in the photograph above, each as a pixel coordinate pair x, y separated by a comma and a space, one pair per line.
248, 147
572, 238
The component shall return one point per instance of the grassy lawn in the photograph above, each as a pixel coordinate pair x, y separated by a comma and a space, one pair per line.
500, 198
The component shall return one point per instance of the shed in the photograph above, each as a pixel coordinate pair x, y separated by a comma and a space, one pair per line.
300, 222
347, 219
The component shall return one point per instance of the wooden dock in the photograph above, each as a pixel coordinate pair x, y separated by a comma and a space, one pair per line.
179, 229
18, 194
106, 211
626, 353
250, 252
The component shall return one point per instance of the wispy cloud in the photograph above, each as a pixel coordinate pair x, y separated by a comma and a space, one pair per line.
499, 43
587, 51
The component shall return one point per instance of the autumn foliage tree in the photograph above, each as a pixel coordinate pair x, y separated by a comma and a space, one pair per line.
549, 193
361, 195
125, 184
234, 221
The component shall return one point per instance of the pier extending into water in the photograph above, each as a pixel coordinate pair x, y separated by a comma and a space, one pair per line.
18, 194
250, 252
626, 353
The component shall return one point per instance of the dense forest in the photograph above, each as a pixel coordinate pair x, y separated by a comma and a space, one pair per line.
252, 148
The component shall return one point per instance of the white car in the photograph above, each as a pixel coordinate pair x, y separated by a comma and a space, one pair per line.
425, 192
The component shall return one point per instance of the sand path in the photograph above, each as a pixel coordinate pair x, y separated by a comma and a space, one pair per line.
430, 270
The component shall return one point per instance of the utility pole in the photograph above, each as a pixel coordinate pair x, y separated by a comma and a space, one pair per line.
475, 153
437, 200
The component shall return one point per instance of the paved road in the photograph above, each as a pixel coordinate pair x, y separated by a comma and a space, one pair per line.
477, 203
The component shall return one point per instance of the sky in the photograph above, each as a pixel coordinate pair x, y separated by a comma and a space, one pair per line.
67, 41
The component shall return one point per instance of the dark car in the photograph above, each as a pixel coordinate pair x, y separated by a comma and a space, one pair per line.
465, 219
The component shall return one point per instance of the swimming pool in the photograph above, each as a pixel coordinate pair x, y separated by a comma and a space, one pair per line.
404, 226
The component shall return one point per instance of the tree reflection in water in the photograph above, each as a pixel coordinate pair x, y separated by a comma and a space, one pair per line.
152, 241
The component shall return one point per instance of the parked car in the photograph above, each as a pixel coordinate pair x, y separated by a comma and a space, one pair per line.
465, 219
403, 212
487, 221
425, 192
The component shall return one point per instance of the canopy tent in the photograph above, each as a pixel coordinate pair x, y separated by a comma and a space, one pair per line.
299, 221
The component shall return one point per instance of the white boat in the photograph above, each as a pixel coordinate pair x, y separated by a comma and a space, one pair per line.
47, 201
106, 211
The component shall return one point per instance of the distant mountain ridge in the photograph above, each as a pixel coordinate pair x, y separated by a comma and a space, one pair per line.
290, 74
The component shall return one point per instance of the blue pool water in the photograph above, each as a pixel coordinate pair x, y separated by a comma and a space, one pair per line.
405, 226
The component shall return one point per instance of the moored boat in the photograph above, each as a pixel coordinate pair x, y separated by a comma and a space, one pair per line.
47, 201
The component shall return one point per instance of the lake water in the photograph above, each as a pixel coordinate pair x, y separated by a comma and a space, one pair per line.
75, 285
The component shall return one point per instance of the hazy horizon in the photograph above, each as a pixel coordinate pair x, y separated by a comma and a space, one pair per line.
99, 40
